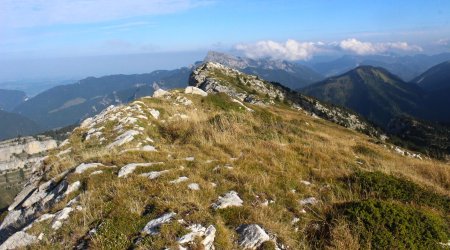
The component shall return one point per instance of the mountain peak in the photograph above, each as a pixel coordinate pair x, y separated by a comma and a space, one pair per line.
372, 73
226, 59
290, 74
214, 77
373, 92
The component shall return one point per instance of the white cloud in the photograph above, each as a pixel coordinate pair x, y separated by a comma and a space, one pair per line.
295, 50
368, 48
290, 50
31, 13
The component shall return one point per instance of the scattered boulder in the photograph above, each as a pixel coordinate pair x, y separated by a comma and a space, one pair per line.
60, 217
197, 230
154, 174
160, 93
45, 217
191, 158
195, 91
18, 240
194, 186
251, 236
129, 168
230, 199
306, 183
85, 166
154, 113
295, 220
73, 187
309, 201
152, 226
126, 137
148, 148
180, 179
183, 101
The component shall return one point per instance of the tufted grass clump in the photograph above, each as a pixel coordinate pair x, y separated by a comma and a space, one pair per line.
235, 216
364, 150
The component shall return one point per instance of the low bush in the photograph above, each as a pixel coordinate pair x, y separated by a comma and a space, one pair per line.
383, 186
390, 225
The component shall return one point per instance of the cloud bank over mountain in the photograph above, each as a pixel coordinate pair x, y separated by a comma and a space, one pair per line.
296, 50
290, 50
368, 48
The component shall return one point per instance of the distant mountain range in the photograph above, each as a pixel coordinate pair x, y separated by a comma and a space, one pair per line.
380, 96
68, 104
9, 99
416, 111
291, 75
406, 67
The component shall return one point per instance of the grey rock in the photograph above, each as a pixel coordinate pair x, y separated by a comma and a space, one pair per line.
251, 236
230, 199
194, 91
86, 166
17, 240
152, 226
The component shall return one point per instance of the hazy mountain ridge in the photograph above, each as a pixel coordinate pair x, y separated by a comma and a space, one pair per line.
9, 99
406, 67
68, 104
14, 125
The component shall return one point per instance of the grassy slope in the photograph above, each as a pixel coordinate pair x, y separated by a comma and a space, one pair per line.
271, 150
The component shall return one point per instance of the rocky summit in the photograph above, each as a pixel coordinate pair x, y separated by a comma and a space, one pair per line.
230, 162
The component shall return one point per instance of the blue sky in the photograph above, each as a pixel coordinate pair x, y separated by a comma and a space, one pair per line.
283, 29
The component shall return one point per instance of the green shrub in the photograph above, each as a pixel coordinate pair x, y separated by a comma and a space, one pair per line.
380, 185
221, 101
389, 225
